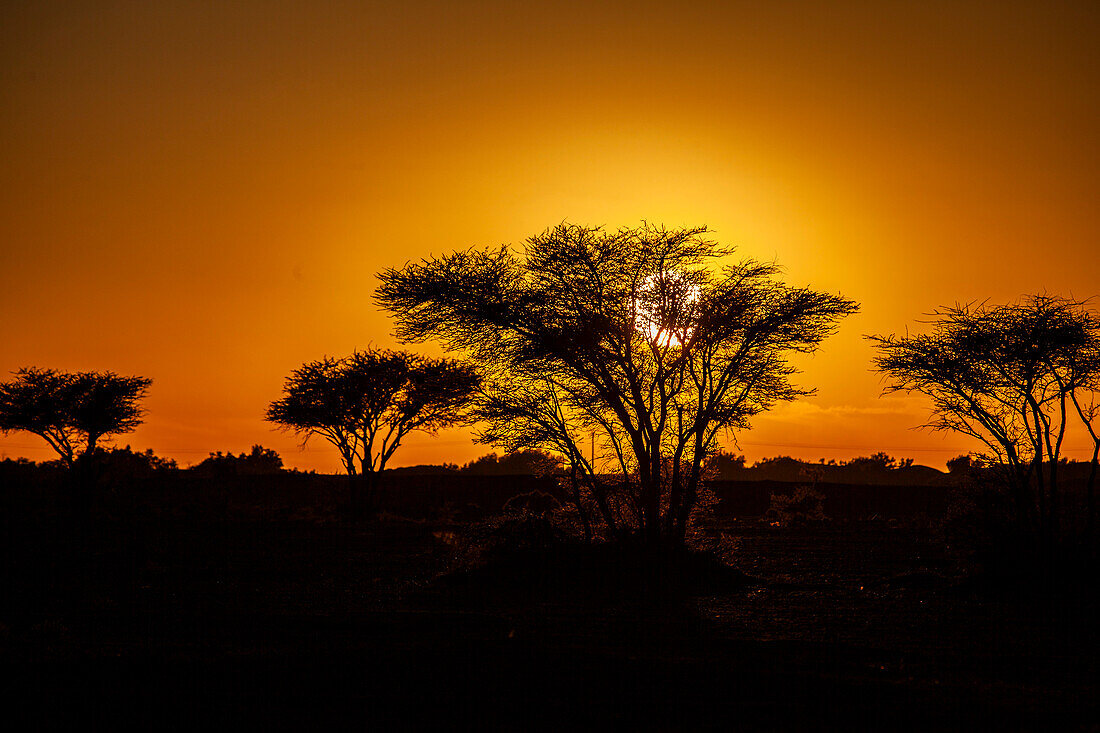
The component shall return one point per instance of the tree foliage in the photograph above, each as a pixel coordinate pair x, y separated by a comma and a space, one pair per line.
724, 466
71, 411
365, 404
647, 342
960, 464
880, 461
1014, 377
525, 462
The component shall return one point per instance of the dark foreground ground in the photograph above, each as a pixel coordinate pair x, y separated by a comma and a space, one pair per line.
303, 623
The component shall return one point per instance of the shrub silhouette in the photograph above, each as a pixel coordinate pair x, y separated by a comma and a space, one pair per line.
802, 505
532, 502
259, 461
533, 462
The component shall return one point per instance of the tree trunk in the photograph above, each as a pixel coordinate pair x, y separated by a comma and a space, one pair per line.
85, 482
605, 509
586, 522
1091, 490
1020, 482
363, 499
687, 504
1040, 494
653, 512
675, 498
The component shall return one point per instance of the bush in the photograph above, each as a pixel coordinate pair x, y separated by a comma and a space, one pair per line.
260, 462
725, 466
801, 506
960, 465
524, 462
532, 502
511, 535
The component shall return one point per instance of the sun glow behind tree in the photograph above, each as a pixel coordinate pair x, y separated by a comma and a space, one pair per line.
642, 338
666, 308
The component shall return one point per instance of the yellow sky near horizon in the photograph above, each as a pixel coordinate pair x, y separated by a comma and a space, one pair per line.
202, 192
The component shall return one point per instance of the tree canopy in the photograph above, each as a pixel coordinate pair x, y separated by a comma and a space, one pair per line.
71, 411
1012, 376
366, 403
648, 340
530, 462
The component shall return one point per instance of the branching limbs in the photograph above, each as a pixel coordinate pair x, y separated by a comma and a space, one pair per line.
629, 334
1006, 375
366, 403
72, 412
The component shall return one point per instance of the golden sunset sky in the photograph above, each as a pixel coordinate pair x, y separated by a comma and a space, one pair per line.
202, 192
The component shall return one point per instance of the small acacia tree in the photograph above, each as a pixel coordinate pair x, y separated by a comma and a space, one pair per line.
71, 411
366, 403
1014, 377
631, 337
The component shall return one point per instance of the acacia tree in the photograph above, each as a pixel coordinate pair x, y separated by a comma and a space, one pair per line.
1014, 377
632, 337
72, 412
366, 403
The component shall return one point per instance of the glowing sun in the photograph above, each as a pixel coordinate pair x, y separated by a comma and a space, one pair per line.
664, 308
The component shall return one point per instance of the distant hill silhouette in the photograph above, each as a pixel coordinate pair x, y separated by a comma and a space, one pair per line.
878, 469
423, 470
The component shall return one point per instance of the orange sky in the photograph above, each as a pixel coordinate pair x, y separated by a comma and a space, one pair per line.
202, 192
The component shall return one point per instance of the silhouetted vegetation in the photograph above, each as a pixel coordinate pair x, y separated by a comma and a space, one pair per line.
878, 468
802, 505
1014, 377
127, 463
534, 462
72, 412
230, 593
960, 465
724, 465
259, 461
629, 337
366, 403
605, 365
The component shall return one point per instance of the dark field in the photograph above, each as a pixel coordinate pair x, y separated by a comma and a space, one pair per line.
189, 619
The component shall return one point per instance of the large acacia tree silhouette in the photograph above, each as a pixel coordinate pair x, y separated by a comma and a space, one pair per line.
648, 340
